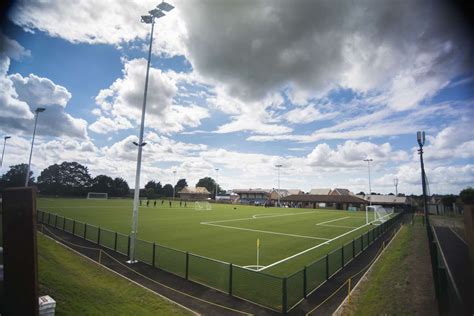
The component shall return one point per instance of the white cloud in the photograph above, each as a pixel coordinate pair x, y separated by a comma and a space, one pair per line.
122, 102
307, 114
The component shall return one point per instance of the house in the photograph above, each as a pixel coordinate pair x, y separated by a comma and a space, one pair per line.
397, 202
320, 191
252, 196
339, 191
194, 194
340, 202
283, 192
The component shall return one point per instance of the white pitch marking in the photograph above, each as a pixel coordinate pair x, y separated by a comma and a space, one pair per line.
250, 218
333, 220
265, 231
340, 226
312, 248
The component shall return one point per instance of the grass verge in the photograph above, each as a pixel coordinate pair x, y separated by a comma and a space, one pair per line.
395, 286
80, 287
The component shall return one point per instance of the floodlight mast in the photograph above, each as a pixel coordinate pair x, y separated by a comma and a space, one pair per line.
420, 137
368, 160
395, 182
147, 19
278, 193
174, 184
37, 112
217, 179
3, 151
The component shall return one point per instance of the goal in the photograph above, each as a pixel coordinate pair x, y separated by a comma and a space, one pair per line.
97, 196
202, 206
381, 214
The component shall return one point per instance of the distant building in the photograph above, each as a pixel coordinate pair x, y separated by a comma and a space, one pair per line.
283, 192
320, 191
397, 202
339, 202
339, 191
194, 194
252, 196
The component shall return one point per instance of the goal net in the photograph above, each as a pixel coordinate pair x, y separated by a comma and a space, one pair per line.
97, 196
202, 206
381, 214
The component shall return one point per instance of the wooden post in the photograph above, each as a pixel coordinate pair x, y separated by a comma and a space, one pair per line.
20, 252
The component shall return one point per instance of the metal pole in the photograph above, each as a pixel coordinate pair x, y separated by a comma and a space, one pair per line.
4, 145
136, 194
278, 193
31, 150
217, 179
423, 183
174, 184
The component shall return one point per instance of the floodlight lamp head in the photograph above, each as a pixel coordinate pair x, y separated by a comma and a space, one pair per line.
147, 19
156, 13
420, 137
165, 6
39, 110
7, 137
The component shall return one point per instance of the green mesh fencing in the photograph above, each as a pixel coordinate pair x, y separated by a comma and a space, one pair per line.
264, 289
79, 229
294, 289
144, 251
60, 222
335, 262
209, 272
170, 260
348, 253
122, 244
107, 238
316, 274
51, 219
92, 233
68, 225
39, 216
357, 246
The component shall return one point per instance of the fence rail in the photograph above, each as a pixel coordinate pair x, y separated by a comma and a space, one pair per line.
277, 293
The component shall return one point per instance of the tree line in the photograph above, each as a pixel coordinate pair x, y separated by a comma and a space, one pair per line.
73, 179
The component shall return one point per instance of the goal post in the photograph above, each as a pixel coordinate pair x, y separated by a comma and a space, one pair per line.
202, 206
97, 196
381, 214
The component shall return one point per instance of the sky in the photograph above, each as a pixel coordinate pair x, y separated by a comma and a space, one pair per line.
242, 86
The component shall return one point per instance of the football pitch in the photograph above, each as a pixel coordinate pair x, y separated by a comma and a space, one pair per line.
289, 238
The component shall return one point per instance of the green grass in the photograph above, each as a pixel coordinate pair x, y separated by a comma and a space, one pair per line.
395, 276
80, 287
181, 228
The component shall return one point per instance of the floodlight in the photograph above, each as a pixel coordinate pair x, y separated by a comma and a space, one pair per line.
39, 110
148, 19
7, 137
135, 143
156, 13
420, 137
165, 6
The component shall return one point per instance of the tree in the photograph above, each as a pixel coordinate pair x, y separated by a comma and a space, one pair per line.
121, 187
103, 184
15, 177
448, 200
168, 190
361, 193
68, 178
180, 185
209, 184
467, 196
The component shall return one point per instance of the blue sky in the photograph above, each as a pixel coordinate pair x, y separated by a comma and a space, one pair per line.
241, 87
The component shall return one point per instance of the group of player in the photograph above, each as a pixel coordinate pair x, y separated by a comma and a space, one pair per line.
163, 201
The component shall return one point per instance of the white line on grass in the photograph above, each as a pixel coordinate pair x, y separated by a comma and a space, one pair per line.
339, 226
312, 248
251, 218
333, 220
265, 231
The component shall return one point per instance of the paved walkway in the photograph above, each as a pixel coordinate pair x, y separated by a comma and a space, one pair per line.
456, 254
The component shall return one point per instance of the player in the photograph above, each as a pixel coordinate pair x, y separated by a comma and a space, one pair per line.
154, 204
147, 203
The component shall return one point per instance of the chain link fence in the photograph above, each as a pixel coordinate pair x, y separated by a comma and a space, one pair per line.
277, 293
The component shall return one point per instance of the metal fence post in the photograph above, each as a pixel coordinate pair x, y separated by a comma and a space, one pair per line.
342, 257
305, 283
98, 237
85, 230
284, 305
153, 259
73, 226
128, 247
353, 249
187, 265
327, 266
64, 223
230, 279
56, 221
115, 242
